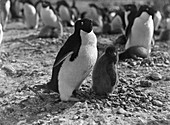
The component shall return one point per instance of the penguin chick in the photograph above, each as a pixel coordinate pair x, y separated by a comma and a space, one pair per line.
74, 61
134, 52
104, 75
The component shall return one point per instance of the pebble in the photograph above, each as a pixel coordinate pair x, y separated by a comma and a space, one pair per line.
121, 111
157, 103
155, 76
145, 83
167, 78
9, 69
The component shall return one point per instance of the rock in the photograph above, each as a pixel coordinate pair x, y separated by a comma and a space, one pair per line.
145, 83
9, 70
167, 78
155, 76
121, 111
157, 103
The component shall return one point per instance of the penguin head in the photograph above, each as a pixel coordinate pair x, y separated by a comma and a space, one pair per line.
112, 53
130, 7
45, 4
147, 9
84, 24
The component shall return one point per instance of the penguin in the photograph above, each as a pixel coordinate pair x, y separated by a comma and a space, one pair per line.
157, 19
94, 13
30, 14
105, 75
65, 13
74, 61
75, 11
141, 31
38, 6
50, 19
1, 33
130, 14
122, 18
48, 15
4, 12
15, 9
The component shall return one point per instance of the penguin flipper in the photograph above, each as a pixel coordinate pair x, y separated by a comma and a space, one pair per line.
63, 58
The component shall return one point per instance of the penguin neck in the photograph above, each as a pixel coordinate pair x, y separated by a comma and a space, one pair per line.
88, 38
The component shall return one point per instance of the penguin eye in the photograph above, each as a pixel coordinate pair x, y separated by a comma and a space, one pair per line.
82, 23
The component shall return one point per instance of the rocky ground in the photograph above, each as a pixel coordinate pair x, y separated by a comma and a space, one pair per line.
141, 98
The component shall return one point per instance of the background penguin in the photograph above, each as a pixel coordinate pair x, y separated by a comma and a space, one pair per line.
74, 61
122, 18
15, 9
141, 31
104, 75
75, 10
38, 6
130, 14
65, 13
4, 12
30, 14
48, 15
1, 33
94, 13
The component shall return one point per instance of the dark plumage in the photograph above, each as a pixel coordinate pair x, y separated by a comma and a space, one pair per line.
105, 76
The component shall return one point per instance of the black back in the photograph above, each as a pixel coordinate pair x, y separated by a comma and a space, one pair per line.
133, 11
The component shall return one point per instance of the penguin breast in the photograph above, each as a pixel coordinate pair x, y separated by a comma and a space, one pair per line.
64, 13
49, 17
31, 16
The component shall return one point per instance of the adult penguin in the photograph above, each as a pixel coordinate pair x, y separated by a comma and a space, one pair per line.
94, 13
74, 61
104, 75
122, 18
65, 13
38, 6
75, 10
30, 14
4, 12
15, 9
1, 33
140, 34
49, 16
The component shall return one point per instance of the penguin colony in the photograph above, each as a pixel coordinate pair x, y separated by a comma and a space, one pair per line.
78, 57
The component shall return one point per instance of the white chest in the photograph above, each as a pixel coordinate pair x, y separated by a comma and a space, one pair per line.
48, 17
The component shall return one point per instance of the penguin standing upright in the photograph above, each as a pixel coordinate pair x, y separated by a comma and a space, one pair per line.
75, 10
4, 12
122, 18
65, 13
104, 75
1, 33
140, 33
48, 15
74, 61
30, 14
